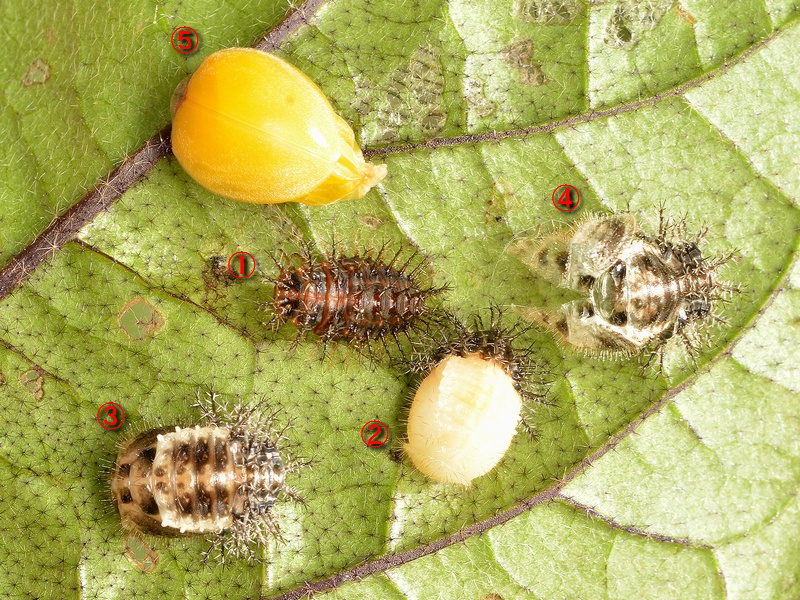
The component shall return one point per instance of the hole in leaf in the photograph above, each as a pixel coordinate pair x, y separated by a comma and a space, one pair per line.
549, 12
519, 55
38, 72
632, 18
32, 381
413, 104
139, 319
142, 555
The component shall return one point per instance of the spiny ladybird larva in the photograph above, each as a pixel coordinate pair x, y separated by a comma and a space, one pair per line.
466, 410
221, 478
251, 127
359, 299
638, 289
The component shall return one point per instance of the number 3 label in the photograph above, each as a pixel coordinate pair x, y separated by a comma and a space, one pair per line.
112, 415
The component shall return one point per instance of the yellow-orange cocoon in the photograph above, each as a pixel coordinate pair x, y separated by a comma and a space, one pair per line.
462, 419
251, 127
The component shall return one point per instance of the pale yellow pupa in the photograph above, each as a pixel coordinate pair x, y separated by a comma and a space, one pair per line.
462, 420
467, 408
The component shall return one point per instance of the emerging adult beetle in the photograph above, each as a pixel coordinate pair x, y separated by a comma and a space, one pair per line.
250, 126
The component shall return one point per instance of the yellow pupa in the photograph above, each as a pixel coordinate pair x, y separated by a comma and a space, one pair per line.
251, 127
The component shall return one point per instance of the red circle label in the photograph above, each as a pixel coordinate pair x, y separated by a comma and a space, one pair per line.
185, 41
241, 264
566, 197
378, 434
113, 415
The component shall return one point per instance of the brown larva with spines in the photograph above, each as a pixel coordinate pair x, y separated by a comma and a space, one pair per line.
360, 299
220, 479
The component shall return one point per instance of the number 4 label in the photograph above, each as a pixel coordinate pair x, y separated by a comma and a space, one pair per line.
566, 198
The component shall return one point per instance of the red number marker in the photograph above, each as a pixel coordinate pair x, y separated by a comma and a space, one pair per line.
187, 40
565, 194
114, 415
379, 437
243, 262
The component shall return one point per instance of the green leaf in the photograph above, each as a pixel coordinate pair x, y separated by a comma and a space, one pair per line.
86, 83
681, 483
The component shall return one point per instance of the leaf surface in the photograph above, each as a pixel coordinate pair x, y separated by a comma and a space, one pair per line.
639, 484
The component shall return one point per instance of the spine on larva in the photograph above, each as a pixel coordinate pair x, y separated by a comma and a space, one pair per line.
697, 283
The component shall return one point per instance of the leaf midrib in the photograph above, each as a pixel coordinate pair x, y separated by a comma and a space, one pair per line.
65, 227
553, 493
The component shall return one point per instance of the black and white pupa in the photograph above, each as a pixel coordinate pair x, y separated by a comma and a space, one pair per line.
219, 479
638, 291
